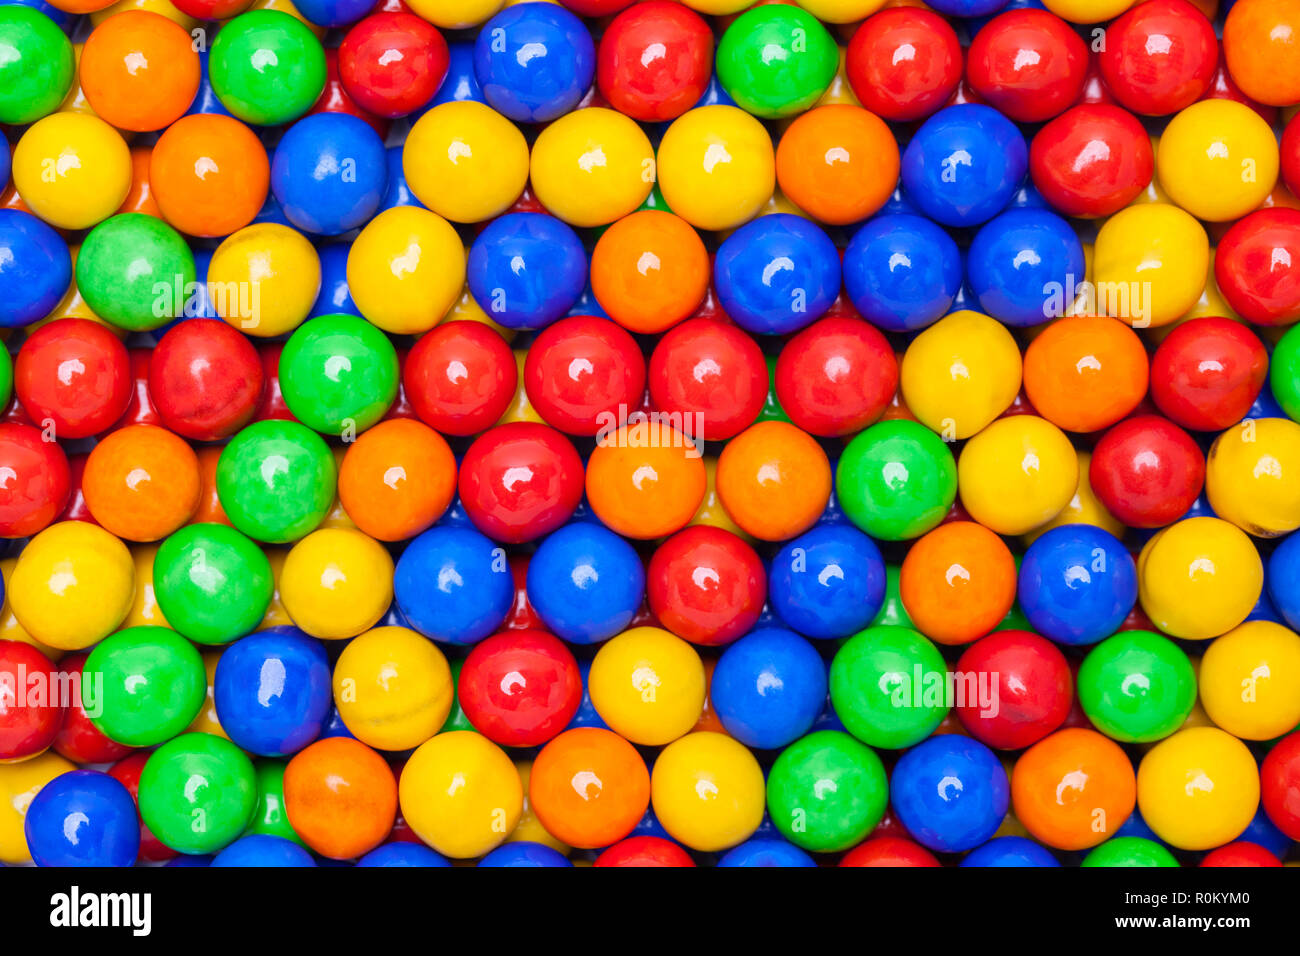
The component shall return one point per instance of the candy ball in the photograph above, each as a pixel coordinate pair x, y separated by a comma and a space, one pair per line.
645, 480
585, 582
393, 688
1249, 476
1073, 789
472, 589
406, 269
1137, 687
1149, 264
1014, 689
124, 262
649, 270
1259, 49
1085, 373
1027, 64
266, 67
1130, 851
276, 481
589, 787
1077, 584
30, 713
329, 173
337, 583
591, 167
534, 62
1023, 264
776, 60
896, 480
83, 818
1279, 778
902, 272
209, 174
1198, 789
707, 791
1017, 474
583, 373
950, 793
73, 378
72, 169
141, 482
874, 680
1250, 681
709, 372
654, 62
1159, 57
39, 71
1092, 160
139, 71
1199, 578
197, 793
340, 797
826, 791
768, 688
460, 378
957, 582
465, 161
1249, 267
392, 63
397, 479
837, 163
338, 374
273, 691
205, 379
648, 686
1147, 471
1218, 160
904, 63
213, 584
36, 270
260, 849
41, 484
828, 583
526, 270
716, 167
520, 481
706, 585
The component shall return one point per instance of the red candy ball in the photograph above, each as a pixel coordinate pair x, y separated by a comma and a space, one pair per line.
391, 64
644, 851
206, 379
30, 709
520, 481
1028, 64
889, 851
655, 60
460, 378
127, 772
1279, 785
1034, 689
1092, 160
1147, 471
712, 367
1256, 266
904, 63
1160, 57
35, 480
1240, 854
1207, 373
520, 688
75, 375
212, 9
836, 377
78, 739
584, 374
706, 585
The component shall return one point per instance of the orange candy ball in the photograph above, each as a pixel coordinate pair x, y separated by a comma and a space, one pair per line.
645, 480
142, 482
589, 787
1261, 43
397, 479
838, 163
1073, 789
958, 582
649, 271
139, 71
209, 175
341, 797
1083, 373
774, 480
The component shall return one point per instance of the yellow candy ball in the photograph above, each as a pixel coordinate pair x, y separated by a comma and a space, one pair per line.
1252, 476
337, 583
592, 166
1017, 474
1218, 160
707, 790
647, 685
1250, 680
465, 161
1199, 578
841, 11
72, 169
406, 269
455, 14
1198, 788
716, 167
1088, 11
1151, 264
10, 629
264, 279
393, 688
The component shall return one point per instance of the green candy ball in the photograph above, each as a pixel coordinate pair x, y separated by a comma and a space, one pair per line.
1137, 686
266, 67
269, 815
827, 791
36, 65
143, 685
130, 268
1284, 373
776, 60
198, 793
888, 686
1129, 851
212, 583
276, 481
338, 374
896, 480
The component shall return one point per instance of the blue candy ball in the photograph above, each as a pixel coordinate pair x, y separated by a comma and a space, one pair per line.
263, 849
403, 854
902, 272
1021, 261
777, 274
1010, 851
766, 852
35, 268
1284, 579
585, 582
768, 688
83, 818
534, 62
454, 585
526, 269
950, 792
1077, 584
524, 853
329, 173
334, 297
828, 582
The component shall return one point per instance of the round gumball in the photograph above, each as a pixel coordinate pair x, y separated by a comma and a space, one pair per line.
950, 792
1092, 160
197, 777
585, 582
40, 69
1137, 686
329, 173
1250, 476
393, 688
710, 369
209, 174
73, 377
534, 62
340, 797
141, 482
1017, 474
526, 854
889, 851
958, 582
526, 270
124, 262
1250, 681
460, 377
966, 193
35, 268
273, 691
29, 717
72, 169
645, 480
902, 272
1198, 789
644, 851
838, 163
391, 63
397, 479
337, 583
79, 739
706, 585
878, 686
649, 270
896, 480
716, 167
460, 794
520, 481
1028, 64
1279, 780
904, 63
1147, 471
1159, 57
472, 589
1023, 264
139, 71
583, 192
263, 850
1240, 853
707, 791
826, 791
654, 61
1077, 584
205, 379
1217, 159
1084, 373
759, 472
647, 685
776, 60
276, 481
1259, 46
1199, 578
144, 685
72, 586
465, 161
960, 374
1026, 694
776, 274
1251, 271
520, 688
1009, 851
836, 377
264, 279
83, 818
1073, 789
828, 582
583, 374
589, 787
1149, 264
1129, 851
213, 584
338, 374
40, 484
766, 851
403, 854
266, 67
768, 688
